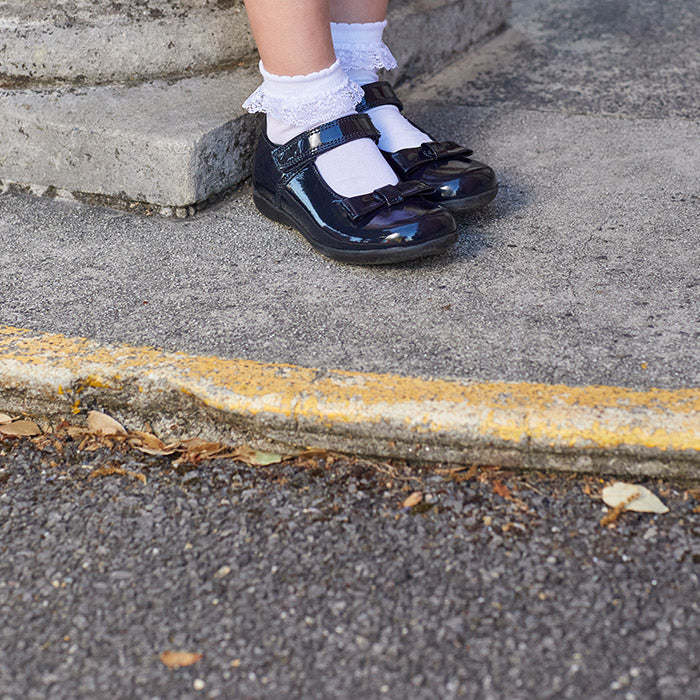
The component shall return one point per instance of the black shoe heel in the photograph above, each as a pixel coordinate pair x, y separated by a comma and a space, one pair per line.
271, 212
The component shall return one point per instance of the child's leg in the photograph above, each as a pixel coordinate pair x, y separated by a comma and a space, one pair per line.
358, 10
304, 87
317, 168
460, 182
292, 37
357, 27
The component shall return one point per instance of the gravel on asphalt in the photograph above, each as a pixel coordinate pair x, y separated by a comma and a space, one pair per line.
310, 579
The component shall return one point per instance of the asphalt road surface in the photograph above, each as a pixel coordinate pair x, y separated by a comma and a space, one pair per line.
310, 579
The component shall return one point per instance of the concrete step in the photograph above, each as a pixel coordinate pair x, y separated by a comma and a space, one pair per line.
425, 35
100, 41
170, 144
166, 144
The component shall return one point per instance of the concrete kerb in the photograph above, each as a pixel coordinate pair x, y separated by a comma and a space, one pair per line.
599, 429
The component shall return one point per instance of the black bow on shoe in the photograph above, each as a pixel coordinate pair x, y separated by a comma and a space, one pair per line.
409, 159
458, 182
387, 196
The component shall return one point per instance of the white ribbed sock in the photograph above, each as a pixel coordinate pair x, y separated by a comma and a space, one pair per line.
362, 53
294, 104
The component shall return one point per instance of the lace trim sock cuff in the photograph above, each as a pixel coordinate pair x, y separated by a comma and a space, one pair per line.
296, 103
361, 51
305, 100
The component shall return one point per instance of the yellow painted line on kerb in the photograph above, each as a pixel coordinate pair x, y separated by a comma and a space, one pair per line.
510, 413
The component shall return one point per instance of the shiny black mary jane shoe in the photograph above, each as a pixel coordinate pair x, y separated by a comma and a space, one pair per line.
392, 224
459, 183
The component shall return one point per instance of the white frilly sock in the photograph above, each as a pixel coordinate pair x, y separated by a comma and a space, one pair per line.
294, 104
362, 52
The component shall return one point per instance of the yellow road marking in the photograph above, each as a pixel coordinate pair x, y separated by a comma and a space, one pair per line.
514, 413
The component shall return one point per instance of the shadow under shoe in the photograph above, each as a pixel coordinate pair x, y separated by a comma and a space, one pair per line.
392, 224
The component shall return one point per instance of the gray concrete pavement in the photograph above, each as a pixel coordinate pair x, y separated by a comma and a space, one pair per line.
82, 42
630, 59
583, 271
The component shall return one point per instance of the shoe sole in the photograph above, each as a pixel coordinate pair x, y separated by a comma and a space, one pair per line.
357, 257
470, 203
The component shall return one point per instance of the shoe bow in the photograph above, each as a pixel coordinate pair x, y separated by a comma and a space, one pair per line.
387, 196
409, 159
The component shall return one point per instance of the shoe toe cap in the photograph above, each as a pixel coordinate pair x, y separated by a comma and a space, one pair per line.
457, 179
411, 224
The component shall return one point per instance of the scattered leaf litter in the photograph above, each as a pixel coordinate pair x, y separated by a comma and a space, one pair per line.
413, 500
20, 428
634, 497
103, 424
178, 659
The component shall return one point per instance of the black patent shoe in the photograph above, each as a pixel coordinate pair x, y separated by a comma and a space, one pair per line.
391, 224
459, 183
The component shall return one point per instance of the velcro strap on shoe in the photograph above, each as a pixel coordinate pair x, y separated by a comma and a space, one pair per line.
311, 144
377, 94
387, 196
407, 160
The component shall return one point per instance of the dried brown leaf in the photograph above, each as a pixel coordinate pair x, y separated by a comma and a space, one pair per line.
502, 490
196, 447
103, 424
257, 458
20, 428
4, 418
612, 515
155, 452
151, 445
119, 471
177, 659
76, 431
450, 471
413, 500
635, 497
311, 453
460, 476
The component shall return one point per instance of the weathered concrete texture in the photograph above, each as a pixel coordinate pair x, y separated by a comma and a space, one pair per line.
170, 144
639, 58
425, 35
507, 424
96, 41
